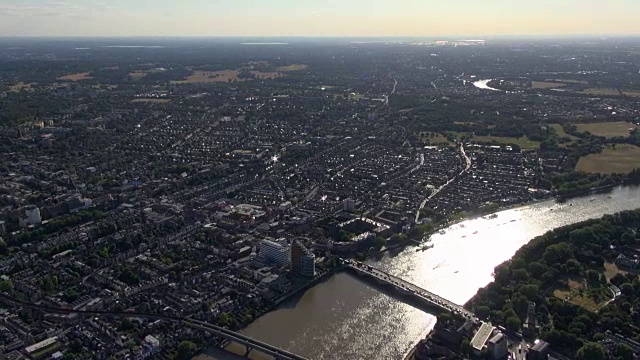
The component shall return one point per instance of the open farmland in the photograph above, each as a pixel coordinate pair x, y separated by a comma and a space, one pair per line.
76, 76
20, 86
601, 91
294, 67
266, 75
210, 77
151, 100
607, 129
137, 75
224, 76
622, 159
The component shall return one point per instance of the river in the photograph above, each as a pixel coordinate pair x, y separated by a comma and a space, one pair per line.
484, 84
344, 318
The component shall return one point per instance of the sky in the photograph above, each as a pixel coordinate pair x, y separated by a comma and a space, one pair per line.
318, 17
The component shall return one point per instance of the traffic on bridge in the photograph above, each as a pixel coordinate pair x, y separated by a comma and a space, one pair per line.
413, 289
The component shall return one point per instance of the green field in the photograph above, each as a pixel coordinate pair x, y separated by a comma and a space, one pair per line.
546, 85
524, 143
621, 160
607, 129
560, 131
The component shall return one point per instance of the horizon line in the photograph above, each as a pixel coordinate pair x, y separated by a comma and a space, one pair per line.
465, 37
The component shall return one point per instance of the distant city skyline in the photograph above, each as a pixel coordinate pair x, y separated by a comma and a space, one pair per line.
317, 18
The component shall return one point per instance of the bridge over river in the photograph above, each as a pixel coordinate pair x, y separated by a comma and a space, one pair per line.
409, 289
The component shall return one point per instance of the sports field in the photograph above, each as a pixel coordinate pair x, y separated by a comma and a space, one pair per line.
607, 129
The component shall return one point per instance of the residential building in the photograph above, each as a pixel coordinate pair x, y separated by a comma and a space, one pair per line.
302, 259
539, 351
481, 337
31, 216
498, 347
349, 205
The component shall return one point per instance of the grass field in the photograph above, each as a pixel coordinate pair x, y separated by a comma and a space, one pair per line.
612, 270
622, 160
76, 77
560, 131
546, 85
158, 101
210, 77
601, 91
631, 93
576, 294
294, 67
426, 139
607, 129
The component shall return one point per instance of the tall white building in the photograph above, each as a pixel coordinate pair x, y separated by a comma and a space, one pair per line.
273, 252
31, 216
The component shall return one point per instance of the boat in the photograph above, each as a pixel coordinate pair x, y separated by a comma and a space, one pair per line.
475, 232
609, 197
592, 199
493, 216
441, 232
464, 236
514, 220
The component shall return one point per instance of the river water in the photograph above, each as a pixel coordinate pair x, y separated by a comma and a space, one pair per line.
484, 84
344, 318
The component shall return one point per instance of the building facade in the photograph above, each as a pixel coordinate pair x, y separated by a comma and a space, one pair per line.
31, 216
303, 261
274, 253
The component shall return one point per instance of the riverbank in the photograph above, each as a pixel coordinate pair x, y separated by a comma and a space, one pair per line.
343, 317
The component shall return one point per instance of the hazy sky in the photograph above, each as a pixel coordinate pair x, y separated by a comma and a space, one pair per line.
317, 17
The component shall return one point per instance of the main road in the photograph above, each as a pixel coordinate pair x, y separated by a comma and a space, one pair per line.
424, 202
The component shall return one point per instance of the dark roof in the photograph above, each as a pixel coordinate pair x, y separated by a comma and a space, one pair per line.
540, 346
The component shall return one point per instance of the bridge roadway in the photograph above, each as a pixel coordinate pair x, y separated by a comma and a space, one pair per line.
410, 288
248, 342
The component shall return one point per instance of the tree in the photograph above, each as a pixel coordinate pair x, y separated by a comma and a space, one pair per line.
513, 324
6, 286
380, 242
76, 345
591, 351
224, 319
624, 351
628, 239
125, 324
465, 347
529, 291
186, 350
483, 312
